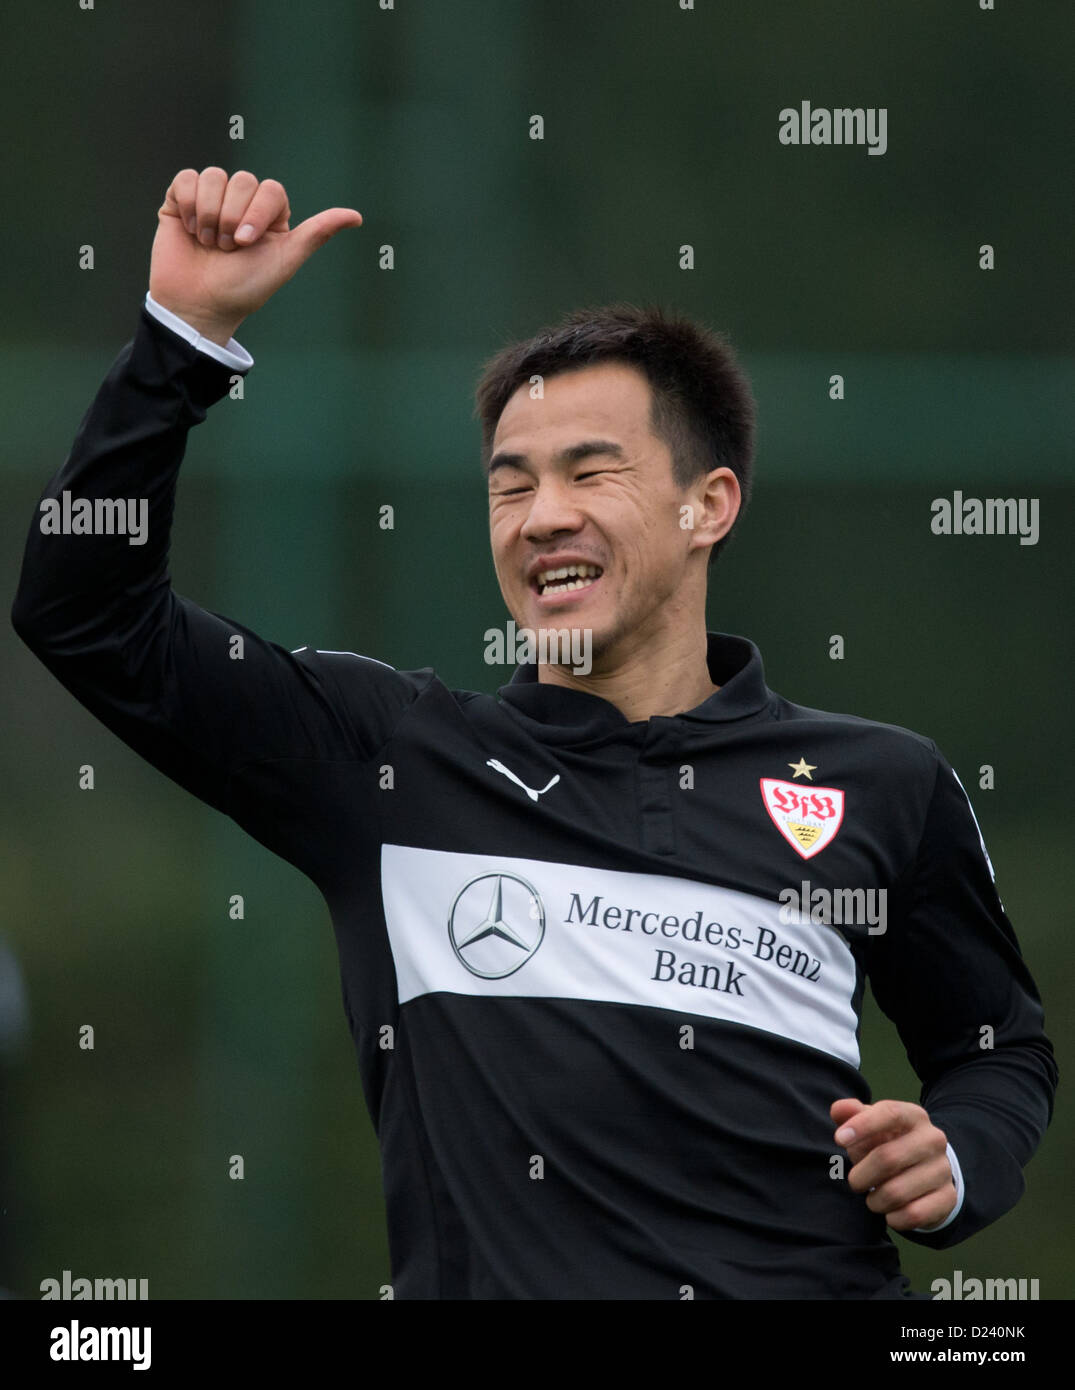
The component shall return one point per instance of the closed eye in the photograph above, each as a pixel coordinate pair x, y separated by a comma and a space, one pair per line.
579, 477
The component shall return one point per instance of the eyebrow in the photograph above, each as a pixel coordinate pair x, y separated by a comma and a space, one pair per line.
572, 454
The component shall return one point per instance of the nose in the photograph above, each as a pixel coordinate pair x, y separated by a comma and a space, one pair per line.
551, 511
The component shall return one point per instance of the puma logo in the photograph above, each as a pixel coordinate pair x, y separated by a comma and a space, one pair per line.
531, 793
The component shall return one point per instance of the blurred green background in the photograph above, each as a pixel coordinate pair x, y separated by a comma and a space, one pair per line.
217, 1037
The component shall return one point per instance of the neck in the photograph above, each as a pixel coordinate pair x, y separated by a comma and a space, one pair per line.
646, 682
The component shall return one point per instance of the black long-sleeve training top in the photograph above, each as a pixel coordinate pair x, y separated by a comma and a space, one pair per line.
597, 1037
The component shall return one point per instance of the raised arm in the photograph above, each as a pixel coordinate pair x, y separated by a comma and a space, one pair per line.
223, 247
198, 695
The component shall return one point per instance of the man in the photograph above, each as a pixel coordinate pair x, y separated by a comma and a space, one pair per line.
606, 1054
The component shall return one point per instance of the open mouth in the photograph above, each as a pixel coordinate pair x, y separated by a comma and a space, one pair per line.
567, 579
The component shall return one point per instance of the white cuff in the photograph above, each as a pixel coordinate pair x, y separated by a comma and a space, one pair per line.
234, 355
957, 1173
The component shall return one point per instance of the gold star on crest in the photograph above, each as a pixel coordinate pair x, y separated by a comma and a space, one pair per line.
803, 769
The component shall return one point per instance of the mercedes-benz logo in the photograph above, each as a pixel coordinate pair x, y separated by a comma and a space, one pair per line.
496, 924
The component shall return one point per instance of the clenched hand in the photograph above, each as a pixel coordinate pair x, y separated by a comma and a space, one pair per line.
900, 1160
223, 246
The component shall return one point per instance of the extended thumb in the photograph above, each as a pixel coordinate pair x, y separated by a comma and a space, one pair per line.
315, 231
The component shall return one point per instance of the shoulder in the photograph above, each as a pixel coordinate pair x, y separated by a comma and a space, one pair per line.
898, 749
357, 673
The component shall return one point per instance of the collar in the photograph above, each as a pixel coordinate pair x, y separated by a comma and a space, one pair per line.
734, 664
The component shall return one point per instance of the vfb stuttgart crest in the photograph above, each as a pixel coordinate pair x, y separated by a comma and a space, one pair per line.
808, 818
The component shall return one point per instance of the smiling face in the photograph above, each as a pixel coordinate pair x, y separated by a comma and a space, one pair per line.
578, 482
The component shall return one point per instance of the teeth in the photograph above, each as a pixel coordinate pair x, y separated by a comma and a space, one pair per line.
579, 572
584, 577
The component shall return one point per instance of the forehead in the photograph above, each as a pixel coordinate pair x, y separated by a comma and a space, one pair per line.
610, 397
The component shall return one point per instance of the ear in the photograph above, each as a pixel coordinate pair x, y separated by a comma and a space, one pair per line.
715, 503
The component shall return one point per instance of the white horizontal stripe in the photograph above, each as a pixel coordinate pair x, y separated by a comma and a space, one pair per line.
321, 651
570, 932
974, 818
